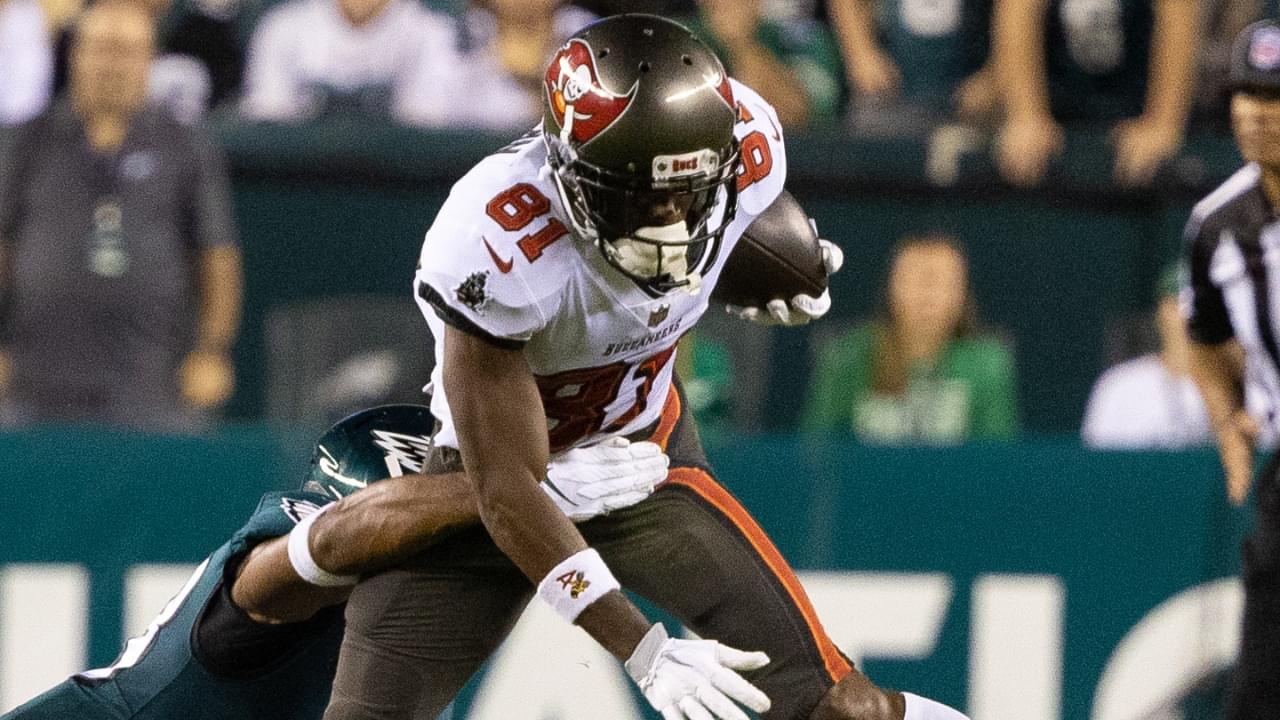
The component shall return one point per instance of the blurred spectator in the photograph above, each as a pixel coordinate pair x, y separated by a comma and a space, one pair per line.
121, 278
1127, 62
1151, 401
504, 49
788, 65
671, 8
26, 59
920, 373
207, 32
392, 58
1224, 21
197, 63
930, 58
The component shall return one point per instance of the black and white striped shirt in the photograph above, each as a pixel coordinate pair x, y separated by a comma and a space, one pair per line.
1231, 283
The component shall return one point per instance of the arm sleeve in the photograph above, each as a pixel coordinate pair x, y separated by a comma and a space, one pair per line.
1201, 300
213, 223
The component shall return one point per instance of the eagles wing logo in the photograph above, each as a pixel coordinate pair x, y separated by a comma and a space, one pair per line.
404, 453
296, 510
580, 103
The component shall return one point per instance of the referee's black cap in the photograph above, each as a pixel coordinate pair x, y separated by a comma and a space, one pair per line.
1255, 59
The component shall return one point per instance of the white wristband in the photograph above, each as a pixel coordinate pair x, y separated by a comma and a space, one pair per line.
578, 581
300, 555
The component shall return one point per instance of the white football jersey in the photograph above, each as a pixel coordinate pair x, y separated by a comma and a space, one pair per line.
500, 261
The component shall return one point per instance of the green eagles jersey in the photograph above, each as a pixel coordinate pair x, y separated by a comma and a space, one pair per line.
936, 44
1098, 55
162, 673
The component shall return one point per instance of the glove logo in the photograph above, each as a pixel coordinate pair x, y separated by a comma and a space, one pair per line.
580, 103
574, 582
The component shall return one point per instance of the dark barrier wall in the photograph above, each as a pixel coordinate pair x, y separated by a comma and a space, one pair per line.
1035, 580
341, 207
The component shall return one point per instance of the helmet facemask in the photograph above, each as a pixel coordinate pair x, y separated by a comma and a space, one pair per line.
661, 231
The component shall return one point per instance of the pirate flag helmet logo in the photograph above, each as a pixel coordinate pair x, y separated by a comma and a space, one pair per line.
581, 105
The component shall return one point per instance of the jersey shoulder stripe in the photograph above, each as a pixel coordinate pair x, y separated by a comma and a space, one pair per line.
1222, 208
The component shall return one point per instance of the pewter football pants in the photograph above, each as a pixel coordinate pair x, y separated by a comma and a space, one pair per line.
415, 635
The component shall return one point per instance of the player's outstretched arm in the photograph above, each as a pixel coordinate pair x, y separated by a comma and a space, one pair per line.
502, 435
378, 527
392, 520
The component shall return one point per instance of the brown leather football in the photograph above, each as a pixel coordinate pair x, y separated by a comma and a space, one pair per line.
778, 257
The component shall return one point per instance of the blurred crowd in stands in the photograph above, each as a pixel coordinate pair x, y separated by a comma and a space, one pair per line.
120, 286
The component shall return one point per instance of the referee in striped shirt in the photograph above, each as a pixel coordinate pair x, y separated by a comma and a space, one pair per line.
1231, 299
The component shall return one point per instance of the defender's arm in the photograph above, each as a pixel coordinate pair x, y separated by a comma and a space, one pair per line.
378, 527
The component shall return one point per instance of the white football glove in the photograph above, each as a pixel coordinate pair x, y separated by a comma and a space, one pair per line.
695, 679
802, 308
596, 480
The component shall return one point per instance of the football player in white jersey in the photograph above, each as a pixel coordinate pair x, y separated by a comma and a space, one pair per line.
557, 279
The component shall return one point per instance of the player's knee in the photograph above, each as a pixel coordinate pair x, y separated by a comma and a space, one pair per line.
857, 698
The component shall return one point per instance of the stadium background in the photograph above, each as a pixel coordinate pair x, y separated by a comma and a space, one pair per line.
1035, 580
1102, 540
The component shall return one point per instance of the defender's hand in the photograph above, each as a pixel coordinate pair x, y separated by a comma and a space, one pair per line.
596, 480
803, 308
695, 679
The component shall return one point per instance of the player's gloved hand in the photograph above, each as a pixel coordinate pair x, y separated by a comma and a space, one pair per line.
695, 679
596, 480
803, 308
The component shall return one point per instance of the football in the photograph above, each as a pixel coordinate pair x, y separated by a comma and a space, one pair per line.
778, 257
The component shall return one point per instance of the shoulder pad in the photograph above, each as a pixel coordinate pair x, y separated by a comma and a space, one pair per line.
477, 258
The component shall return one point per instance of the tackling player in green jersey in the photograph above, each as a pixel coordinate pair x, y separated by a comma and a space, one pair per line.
255, 631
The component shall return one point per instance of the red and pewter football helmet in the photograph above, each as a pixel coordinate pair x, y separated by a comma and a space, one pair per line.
639, 133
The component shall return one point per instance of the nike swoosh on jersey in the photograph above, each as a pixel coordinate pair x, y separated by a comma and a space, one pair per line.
504, 266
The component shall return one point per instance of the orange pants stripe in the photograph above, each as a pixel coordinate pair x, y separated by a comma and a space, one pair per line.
701, 483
